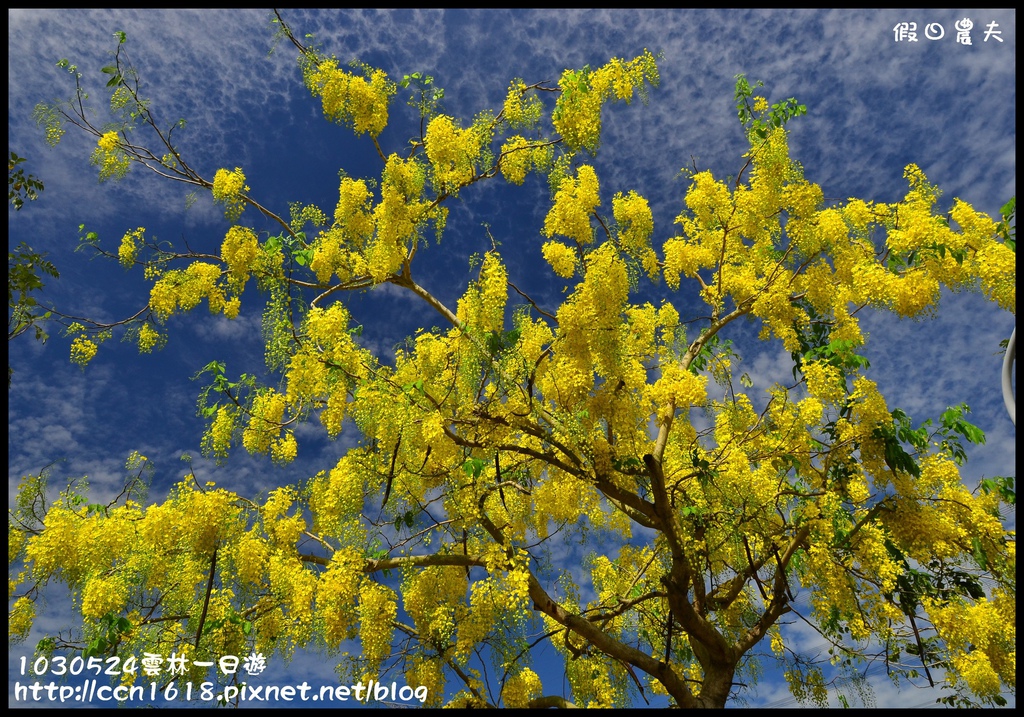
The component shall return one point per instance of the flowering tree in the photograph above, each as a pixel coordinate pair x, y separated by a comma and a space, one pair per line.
489, 439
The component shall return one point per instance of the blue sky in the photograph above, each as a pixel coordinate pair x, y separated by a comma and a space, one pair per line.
874, 105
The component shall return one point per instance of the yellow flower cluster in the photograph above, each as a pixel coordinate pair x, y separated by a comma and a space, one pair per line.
83, 351
148, 338
683, 256
338, 495
807, 686
337, 250
108, 142
435, 599
483, 306
916, 293
396, 217
427, 672
377, 612
709, 201
521, 688
129, 248
591, 334
285, 449
102, 595
251, 558
217, 439
326, 366
575, 200
20, 619
229, 189
239, 251
185, 289
996, 265
592, 683
870, 410
120, 98
577, 115
357, 102
561, 258
111, 159
352, 211
337, 594
295, 588
824, 382
487, 606
453, 153
981, 639
265, 420
522, 108
284, 529
636, 225
563, 498
211, 519
519, 155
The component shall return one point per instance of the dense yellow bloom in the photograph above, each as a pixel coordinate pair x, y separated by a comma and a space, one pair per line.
228, 189
239, 252
636, 225
285, 449
522, 108
483, 307
519, 155
824, 382
102, 595
129, 248
358, 102
397, 216
980, 639
453, 153
427, 672
108, 142
352, 211
561, 258
521, 688
575, 201
577, 115
265, 420
185, 289
148, 338
20, 619
377, 611
83, 350
997, 267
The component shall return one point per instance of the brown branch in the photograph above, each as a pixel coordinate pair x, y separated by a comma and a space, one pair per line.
661, 671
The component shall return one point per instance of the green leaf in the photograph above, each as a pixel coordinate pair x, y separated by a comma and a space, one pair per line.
473, 467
